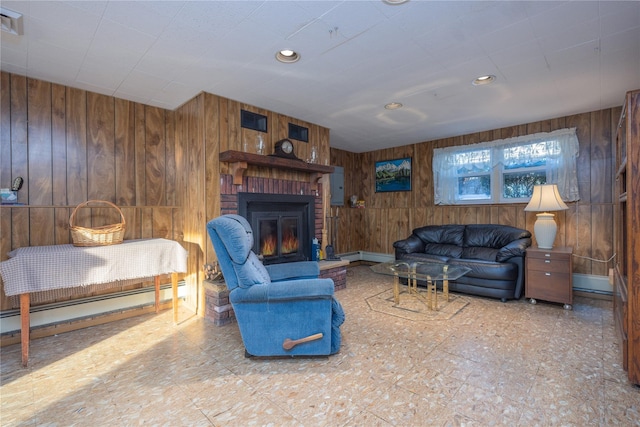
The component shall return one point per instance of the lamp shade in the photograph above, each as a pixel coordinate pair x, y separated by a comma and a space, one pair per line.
546, 198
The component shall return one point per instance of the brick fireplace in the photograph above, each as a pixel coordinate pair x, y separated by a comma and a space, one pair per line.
229, 194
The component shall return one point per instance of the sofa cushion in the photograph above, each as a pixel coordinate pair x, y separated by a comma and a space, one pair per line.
412, 244
488, 269
517, 248
420, 257
446, 234
443, 250
492, 235
475, 252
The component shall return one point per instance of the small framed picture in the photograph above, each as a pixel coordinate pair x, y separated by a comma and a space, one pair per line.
393, 175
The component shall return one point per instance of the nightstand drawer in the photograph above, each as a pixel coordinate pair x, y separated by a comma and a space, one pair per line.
548, 265
554, 287
546, 254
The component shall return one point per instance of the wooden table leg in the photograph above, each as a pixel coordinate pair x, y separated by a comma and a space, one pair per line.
174, 296
25, 324
157, 284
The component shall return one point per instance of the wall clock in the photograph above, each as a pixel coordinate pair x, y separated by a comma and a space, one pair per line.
284, 148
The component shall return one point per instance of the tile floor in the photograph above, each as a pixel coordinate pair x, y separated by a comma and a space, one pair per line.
512, 364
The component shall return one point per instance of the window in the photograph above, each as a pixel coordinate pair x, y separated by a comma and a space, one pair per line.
505, 171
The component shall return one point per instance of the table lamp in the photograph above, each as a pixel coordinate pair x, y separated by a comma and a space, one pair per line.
545, 198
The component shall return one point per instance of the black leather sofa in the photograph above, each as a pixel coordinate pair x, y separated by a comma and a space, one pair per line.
495, 253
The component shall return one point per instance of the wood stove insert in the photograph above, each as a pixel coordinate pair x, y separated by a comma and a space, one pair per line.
283, 225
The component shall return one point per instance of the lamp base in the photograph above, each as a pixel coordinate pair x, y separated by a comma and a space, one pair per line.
545, 230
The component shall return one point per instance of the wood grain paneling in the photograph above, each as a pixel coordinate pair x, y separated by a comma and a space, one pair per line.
19, 143
78, 145
601, 159
587, 226
140, 155
5, 244
5, 129
39, 141
58, 145
155, 162
100, 147
125, 153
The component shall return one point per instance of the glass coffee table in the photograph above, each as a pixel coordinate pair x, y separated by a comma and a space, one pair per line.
429, 272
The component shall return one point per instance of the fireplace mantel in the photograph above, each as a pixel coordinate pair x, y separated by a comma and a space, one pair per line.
239, 161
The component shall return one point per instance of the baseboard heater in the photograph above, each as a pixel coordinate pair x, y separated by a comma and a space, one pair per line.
366, 256
86, 308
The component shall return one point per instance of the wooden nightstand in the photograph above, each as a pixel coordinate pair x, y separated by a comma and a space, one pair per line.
549, 275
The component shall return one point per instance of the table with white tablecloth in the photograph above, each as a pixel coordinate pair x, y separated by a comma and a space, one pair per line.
56, 270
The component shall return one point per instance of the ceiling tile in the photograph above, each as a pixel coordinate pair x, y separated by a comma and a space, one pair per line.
422, 53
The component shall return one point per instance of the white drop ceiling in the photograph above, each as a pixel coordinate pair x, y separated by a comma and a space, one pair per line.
550, 59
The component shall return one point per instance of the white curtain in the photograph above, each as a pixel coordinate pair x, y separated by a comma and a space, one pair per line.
560, 148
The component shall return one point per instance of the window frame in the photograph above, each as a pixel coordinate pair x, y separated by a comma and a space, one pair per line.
560, 149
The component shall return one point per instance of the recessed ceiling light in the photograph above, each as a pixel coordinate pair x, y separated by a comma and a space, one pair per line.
394, 2
287, 56
393, 106
484, 80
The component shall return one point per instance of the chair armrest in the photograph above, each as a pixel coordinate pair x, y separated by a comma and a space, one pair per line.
293, 270
515, 248
289, 290
409, 245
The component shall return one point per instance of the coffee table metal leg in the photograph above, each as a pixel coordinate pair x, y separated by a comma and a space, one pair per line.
396, 289
445, 283
433, 291
412, 282
435, 296
428, 295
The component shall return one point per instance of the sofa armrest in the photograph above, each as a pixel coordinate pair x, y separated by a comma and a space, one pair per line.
513, 249
293, 270
409, 245
289, 290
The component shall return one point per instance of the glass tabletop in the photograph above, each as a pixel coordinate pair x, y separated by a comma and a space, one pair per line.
421, 270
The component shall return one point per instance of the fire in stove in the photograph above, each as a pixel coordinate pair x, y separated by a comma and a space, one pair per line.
271, 229
269, 246
289, 244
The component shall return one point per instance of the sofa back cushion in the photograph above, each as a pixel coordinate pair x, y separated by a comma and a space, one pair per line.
443, 250
444, 234
442, 240
492, 235
478, 252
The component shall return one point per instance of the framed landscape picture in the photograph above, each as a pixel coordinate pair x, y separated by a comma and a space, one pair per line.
393, 175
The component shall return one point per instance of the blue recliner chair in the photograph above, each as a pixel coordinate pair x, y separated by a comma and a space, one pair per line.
282, 309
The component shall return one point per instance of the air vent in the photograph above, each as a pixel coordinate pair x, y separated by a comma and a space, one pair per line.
11, 21
300, 133
253, 121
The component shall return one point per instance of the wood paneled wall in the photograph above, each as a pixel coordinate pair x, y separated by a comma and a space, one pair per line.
587, 225
71, 146
160, 167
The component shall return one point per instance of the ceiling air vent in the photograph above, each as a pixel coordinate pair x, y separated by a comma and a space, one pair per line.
11, 21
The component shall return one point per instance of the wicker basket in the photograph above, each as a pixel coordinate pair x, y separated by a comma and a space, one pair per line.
98, 236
